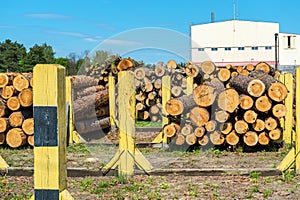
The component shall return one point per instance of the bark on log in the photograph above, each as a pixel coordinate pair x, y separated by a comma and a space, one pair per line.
28, 126
15, 138
3, 108
263, 139
81, 92
2, 138
180, 105
83, 81
232, 138
143, 115
229, 100
26, 97
248, 85
199, 116
246, 102
125, 64
92, 125
250, 138
263, 104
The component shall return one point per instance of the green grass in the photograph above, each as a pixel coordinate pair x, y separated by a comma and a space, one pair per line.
142, 124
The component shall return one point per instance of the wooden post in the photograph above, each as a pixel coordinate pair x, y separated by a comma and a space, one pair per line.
166, 96
112, 101
49, 111
297, 136
127, 155
3, 165
190, 85
288, 129
69, 99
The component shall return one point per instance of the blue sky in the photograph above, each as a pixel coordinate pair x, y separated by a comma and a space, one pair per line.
74, 26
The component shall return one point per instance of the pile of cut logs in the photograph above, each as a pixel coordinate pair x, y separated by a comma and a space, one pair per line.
234, 106
16, 116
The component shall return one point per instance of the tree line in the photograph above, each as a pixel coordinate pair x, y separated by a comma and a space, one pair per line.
15, 58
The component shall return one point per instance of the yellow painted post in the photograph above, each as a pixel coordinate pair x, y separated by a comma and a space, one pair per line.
127, 155
166, 96
3, 165
69, 99
112, 101
190, 85
288, 127
285, 137
297, 139
49, 110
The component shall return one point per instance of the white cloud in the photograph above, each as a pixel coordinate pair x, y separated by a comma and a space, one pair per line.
46, 16
122, 42
91, 39
74, 34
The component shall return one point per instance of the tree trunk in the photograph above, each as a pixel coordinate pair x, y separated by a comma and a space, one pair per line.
199, 131
224, 74
191, 139
246, 102
4, 80
3, 124
16, 119
259, 125
125, 64
264, 67
187, 129
229, 100
208, 67
8, 91
271, 123
180, 139
222, 116
26, 97
226, 128
172, 64
143, 115
92, 125
3, 108
203, 141
216, 138
159, 70
248, 85
176, 91
15, 138
20, 82
28, 126
204, 95
263, 139
211, 125
171, 129
191, 70
2, 138
250, 116
199, 116
275, 134
157, 84
279, 110
180, 105
139, 73
13, 103
241, 126
263, 104
83, 81
250, 138
232, 138
30, 140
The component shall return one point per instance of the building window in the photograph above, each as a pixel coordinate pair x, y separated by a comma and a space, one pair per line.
200, 49
289, 41
268, 48
241, 48
214, 49
254, 48
227, 48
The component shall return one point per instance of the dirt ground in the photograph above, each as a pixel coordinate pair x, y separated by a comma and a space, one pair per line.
172, 186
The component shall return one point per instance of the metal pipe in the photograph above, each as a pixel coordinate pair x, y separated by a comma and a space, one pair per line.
276, 51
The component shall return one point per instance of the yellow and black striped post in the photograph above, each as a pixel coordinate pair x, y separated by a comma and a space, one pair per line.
49, 110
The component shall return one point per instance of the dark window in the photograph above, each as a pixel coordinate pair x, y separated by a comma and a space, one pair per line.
241, 48
214, 49
289, 41
227, 48
254, 48
200, 49
268, 48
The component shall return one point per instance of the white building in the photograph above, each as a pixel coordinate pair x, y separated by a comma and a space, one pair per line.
242, 42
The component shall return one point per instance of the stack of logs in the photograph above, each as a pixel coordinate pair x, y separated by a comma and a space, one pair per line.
16, 112
234, 106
